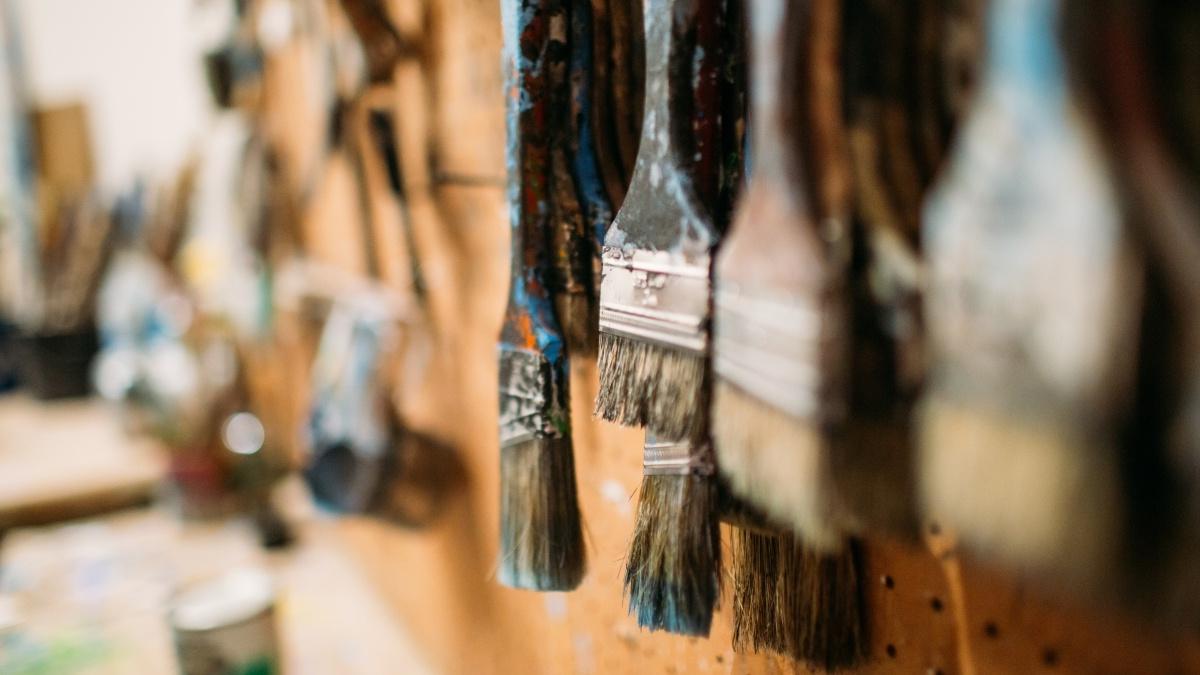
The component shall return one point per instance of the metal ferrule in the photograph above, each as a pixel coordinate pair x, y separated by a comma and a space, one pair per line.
656, 296
675, 458
528, 404
769, 347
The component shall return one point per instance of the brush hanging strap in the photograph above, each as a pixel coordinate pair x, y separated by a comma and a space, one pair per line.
677, 458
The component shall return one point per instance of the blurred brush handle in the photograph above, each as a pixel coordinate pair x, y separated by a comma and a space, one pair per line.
779, 301
533, 385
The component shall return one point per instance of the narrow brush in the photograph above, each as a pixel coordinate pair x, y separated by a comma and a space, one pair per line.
571, 235
1033, 298
654, 296
541, 540
794, 601
779, 316
673, 571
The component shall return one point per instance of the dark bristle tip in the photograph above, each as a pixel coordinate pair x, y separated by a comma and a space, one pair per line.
541, 537
646, 385
673, 571
795, 602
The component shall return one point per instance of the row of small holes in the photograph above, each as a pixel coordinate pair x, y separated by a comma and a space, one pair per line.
990, 629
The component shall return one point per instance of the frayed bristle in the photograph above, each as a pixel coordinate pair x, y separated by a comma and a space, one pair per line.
673, 573
778, 463
541, 539
1022, 491
646, 385
577, 315
796, 602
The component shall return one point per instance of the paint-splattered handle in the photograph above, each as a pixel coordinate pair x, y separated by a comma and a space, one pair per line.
529, 320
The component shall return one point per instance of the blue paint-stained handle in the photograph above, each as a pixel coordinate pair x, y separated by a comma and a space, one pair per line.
530, 330
585, 164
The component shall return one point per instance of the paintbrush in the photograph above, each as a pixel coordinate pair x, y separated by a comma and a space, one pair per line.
541, 541
779, 330
572, 237
673, 576
1129, 60
673, 570
654, 295
1033, 298
779, 308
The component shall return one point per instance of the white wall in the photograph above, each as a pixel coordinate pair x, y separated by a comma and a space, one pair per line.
135, 63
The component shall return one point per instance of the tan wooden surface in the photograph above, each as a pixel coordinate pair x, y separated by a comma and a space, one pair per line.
69, 458
930, 613
91, 596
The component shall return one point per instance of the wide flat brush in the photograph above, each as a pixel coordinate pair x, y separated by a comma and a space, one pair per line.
654, 296
779, 330
1033, 298
541, 541
779, 314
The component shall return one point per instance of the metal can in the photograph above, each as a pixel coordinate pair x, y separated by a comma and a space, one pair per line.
226, 625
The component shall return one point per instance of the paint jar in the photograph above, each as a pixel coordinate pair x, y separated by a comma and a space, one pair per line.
226, 625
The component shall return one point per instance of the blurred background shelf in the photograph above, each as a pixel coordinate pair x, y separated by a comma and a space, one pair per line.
68, 459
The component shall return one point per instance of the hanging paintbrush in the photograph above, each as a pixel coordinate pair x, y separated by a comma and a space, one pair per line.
1033, 300
780, 338
654, 294
1129, 60
572, 238
779, 305
654, 315
541, 542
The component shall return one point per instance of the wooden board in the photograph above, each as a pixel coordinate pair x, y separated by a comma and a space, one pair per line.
70, 458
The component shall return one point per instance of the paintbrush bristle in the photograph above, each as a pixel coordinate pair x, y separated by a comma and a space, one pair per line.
541, 538
779, 463
1026, 493
646, 385
673, 572
577, 315
796, 602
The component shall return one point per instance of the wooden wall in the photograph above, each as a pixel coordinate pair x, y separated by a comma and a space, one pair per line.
931, 612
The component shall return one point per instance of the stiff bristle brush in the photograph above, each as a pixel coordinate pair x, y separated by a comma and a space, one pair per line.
779, 310
654, 329
780, 332
654, 295
1034, 295
541, 539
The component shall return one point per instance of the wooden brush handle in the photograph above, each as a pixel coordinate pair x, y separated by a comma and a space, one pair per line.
529, 322
662, 211
585, 166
